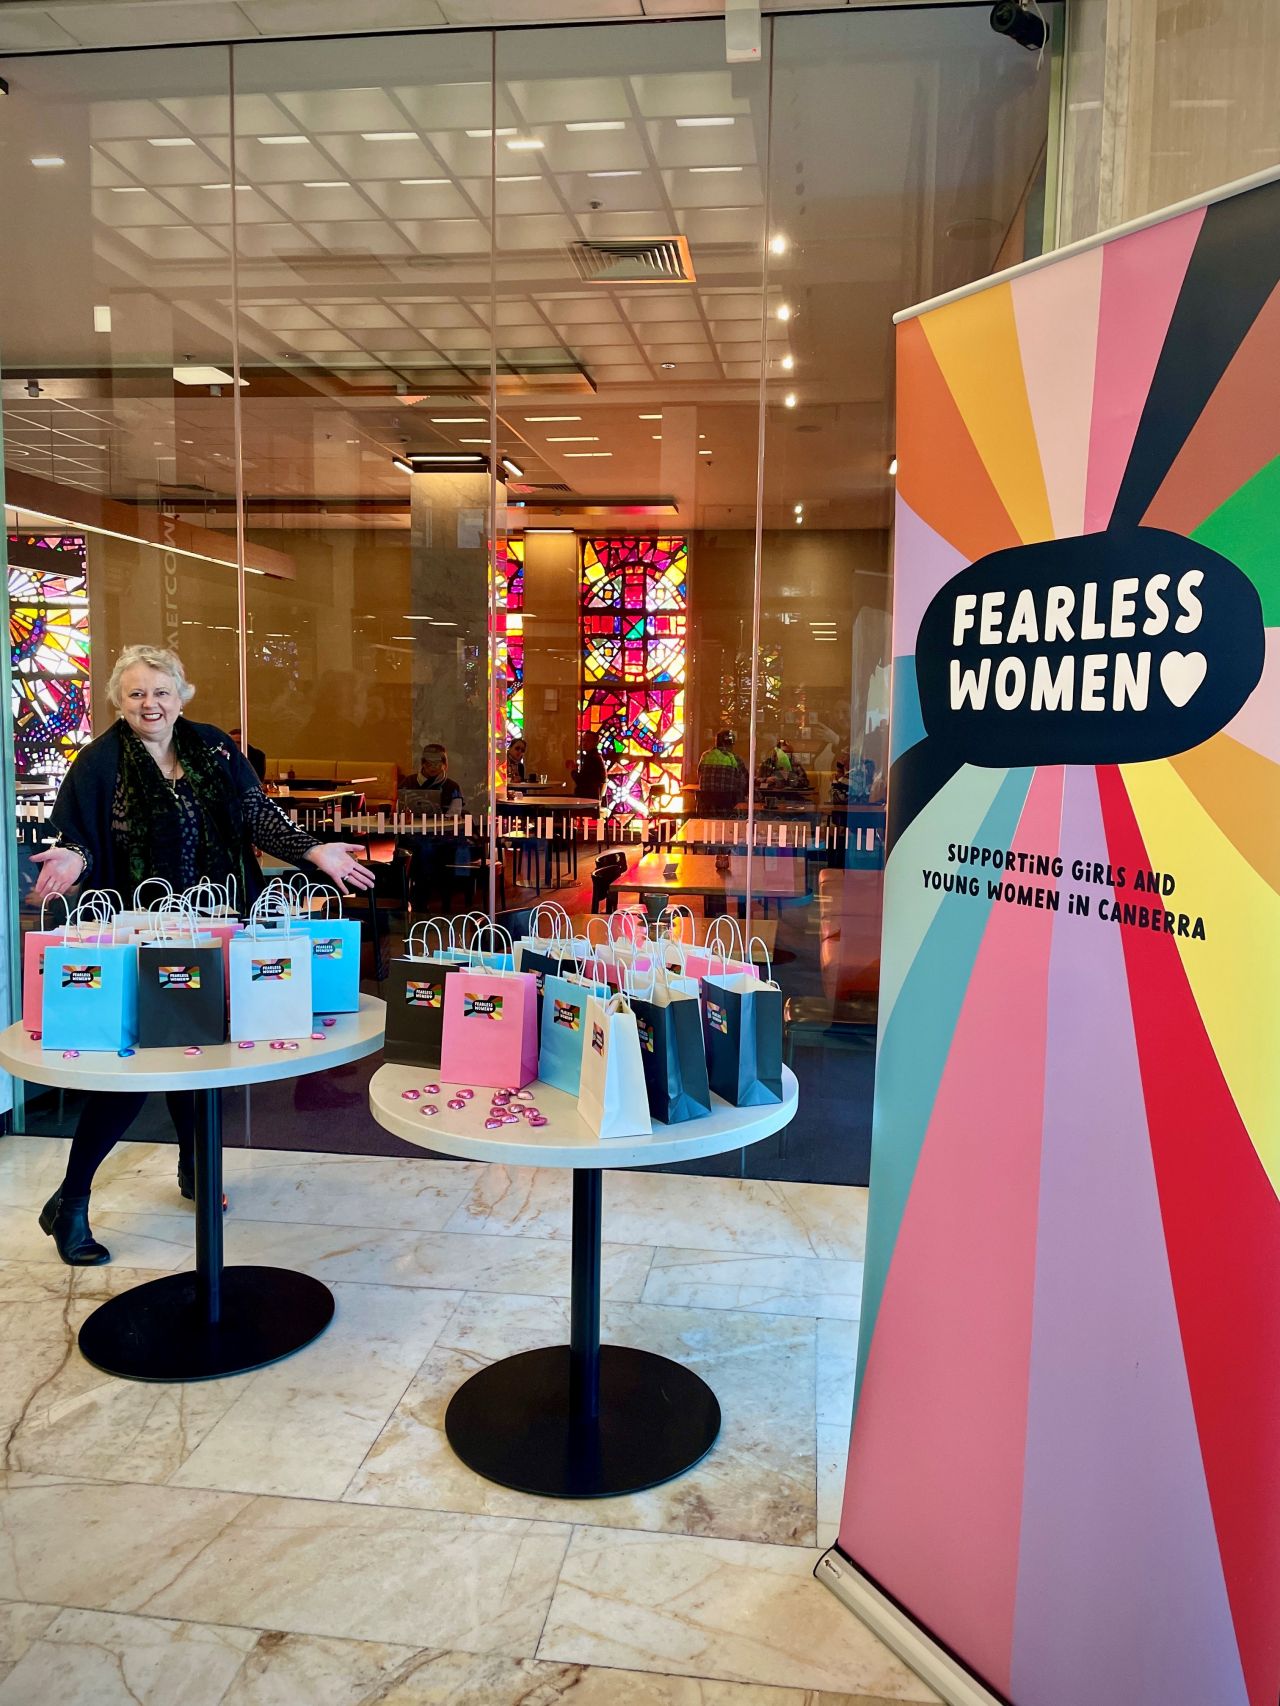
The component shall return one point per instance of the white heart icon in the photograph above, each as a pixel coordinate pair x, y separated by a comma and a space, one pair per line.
1181, 674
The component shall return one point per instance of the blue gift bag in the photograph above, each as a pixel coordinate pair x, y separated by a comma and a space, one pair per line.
564, 1019
90, 996
335, 963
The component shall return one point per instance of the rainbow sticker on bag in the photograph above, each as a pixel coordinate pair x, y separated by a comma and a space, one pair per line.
717, 1018
568, 1015
597, 1038
646, 1034
418, 994
271, 971
179, 977
482, 1007
82, 977
327, 947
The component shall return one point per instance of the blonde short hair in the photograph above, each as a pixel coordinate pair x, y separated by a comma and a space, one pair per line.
155, 657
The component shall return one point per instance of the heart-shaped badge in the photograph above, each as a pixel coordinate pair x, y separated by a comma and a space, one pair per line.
1181, 675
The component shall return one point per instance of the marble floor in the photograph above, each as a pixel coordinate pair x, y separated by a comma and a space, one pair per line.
303, 1536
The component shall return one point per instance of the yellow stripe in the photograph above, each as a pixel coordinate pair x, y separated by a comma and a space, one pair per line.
1232, 973
975, 341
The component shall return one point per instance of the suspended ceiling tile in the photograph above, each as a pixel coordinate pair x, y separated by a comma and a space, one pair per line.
438, 315
742, 369
585, 335
535, 231
274, 242
578, 310
336, 200
203, 162
420, 201
201, 115
473, 12
315, 17
609, 355
314, 343
365, 316
123, 25
382, 162
660, 305
440, 101
438, 237
31, 32
718, 226
546, 100
357, 236
690, 94
174, 243
213, 206
469, 338
737, 331
517, 197
659, 350
267, 163
286, 317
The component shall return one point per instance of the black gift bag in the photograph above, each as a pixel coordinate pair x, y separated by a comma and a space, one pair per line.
673, 1057
742, 1024
415, 1011
182, 994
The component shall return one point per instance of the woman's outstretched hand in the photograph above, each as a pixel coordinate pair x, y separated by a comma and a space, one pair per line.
61, 869
336, 859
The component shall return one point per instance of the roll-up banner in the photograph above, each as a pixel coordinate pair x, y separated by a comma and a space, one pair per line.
1065, 1460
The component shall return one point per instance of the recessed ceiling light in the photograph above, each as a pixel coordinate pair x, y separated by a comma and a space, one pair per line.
292, 141
656, 437
632, 173
172, 141
705, 169
525, 144
788, 363
524, 178
702, 123
893, 467
457, 420
475, 441
668, 366
412, 181
47, 160
790, 400
579, 438
650, 417
783, 311
579, 455
389, 135
704, 453
537, 418
799, 509
516, 472
128, 189
325, 184
484, 135
194, 374
799, 520
777, 244
101, 319
225, 186
596, 124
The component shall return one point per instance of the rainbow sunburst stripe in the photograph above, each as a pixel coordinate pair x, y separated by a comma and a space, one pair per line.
1066, 1449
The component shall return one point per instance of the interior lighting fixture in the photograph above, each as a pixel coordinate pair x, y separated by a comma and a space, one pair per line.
788, 363
704, 453
790, 400
457, 420
172, 141
388, 135
650, 417
631, 172
548, 418
777, 244
131, 189
715, 168
525, 144
422, 462
783, 311
225, 186
893, 467
47, 160
573, 438
596, 124
523, 178
668, 366
189, 374
516, 472
325, 184
409, 183
101, 318
580, 455
475, 441
800, 519
703, 123
799, 509
484, 135
657, 437
293, 140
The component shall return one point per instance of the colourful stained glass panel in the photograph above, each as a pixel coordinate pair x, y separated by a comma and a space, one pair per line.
510, 640
48, 652
633, 597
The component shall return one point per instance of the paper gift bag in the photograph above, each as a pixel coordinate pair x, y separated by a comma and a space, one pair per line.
490, 1025
335, 953
612, 1098
415, 996
723, 953
182, 995
214, 906
90, 993
34, 944
742, 1025
563, 1026
540, 940
669, 1024
270, 976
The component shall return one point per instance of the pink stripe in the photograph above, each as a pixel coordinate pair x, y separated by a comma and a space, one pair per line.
923, 562
933, 1498
1056, 310
1141, 278
1256, 724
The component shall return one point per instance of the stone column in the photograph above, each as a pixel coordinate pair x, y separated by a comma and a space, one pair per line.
449, 583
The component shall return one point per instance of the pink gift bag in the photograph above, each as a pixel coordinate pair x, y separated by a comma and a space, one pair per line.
490, 1021
88, 923
723, 954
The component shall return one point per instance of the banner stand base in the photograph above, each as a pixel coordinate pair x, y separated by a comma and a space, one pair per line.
932, 1663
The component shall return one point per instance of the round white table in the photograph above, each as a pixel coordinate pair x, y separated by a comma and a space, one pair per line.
218, 1320
581, 1420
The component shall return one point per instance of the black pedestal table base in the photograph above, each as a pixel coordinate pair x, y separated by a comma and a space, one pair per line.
583, 1420
215, 1321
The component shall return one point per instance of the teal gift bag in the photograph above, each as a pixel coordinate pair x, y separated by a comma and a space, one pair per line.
335, 954
91, 994
564, 1019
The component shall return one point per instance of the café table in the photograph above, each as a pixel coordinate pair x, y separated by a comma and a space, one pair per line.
583, 1420
658, 877
217, 1320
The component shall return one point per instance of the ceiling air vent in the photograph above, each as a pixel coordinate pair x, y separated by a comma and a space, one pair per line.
640, 260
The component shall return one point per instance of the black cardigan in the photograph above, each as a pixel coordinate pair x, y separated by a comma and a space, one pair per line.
82, 811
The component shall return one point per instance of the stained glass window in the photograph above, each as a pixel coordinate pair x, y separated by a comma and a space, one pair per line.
510, 637
633, 617
49, 652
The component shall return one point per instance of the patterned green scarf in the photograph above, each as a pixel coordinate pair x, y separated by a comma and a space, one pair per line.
152, 817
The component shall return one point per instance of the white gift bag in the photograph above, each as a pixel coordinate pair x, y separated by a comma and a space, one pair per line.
612, 1098
270, 975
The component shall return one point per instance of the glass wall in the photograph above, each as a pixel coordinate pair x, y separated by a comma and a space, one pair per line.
541, 385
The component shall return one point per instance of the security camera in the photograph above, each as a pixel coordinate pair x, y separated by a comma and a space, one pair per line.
1015, 19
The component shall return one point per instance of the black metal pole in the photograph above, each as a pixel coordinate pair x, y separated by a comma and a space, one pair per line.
209, 1204
584, 1297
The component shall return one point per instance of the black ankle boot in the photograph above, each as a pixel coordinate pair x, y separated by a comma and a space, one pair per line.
66, 1220
187, 1183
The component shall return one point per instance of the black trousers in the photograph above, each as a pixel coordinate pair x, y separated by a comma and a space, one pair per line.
105, 1118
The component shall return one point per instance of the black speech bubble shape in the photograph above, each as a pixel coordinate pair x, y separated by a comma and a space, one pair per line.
1197, 680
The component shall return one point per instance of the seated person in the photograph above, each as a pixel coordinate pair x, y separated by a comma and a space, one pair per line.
257, 758
432, 790
722, 777
781, 768
515, 761
587, 777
